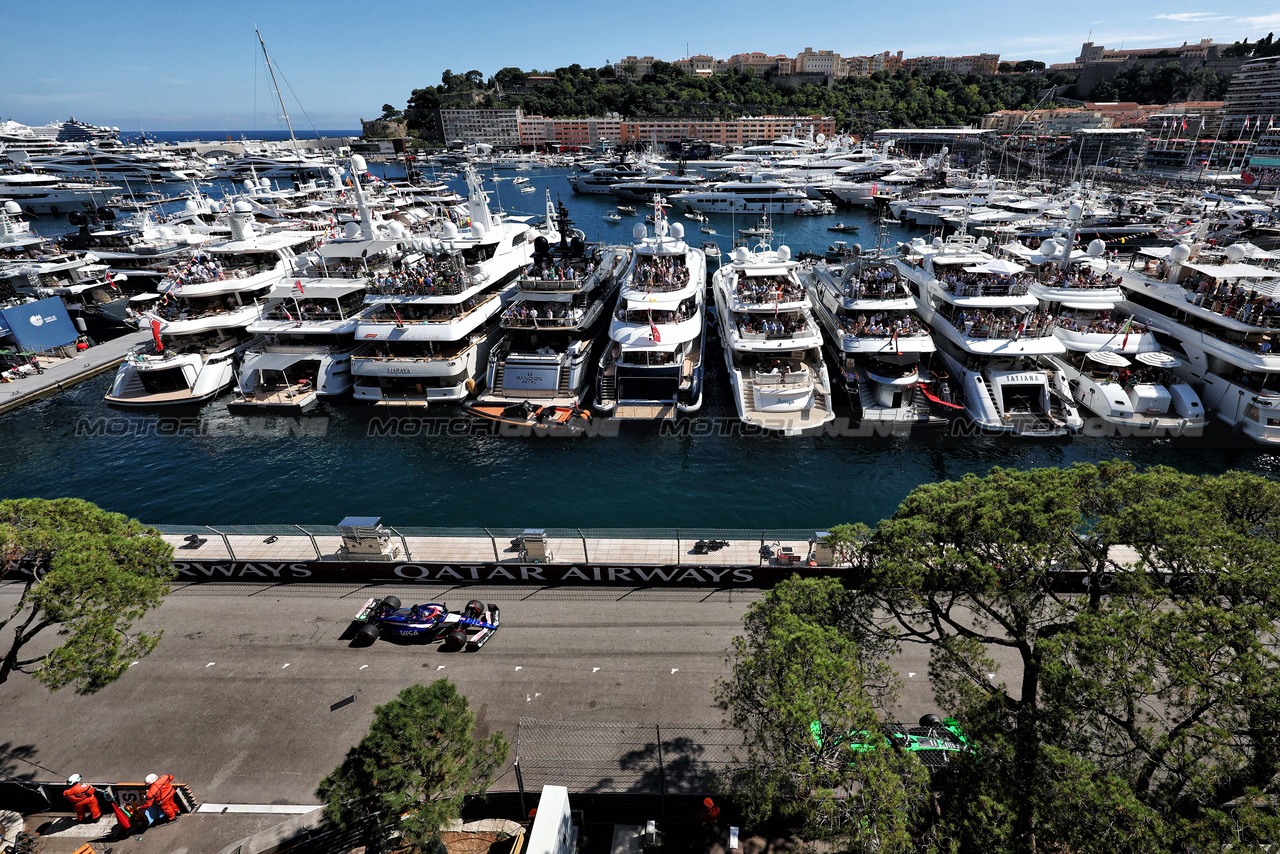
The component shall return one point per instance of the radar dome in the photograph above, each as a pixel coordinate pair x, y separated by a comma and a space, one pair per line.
351, 230
1179, 253
741, 254
1048, 247
937, 243
242, 207
190, 205
917, 242
677, 230
215, 207
1075, 211
357, 163
12, 208
397, 230
333, 171
450, 231
820, 138
1075, 185
1235, 253
1096, 248
638, 231
983, 242
477, 230
784, 253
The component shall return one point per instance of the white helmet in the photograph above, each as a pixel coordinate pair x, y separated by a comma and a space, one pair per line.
73, 779
151, 778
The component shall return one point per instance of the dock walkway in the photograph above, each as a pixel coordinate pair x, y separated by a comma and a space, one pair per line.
58, 374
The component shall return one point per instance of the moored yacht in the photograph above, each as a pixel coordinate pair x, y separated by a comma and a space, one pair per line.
752, 194
302, 345
1113, 363
1219, 316
653, 366
202, 326
991, 335
772, 344
554, 322
874, 339
429, 326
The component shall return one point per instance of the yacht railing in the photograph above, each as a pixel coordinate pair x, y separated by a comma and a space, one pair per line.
985, 289
782, 379
1262, 313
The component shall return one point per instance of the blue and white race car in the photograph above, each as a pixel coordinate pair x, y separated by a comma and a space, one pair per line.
467, 630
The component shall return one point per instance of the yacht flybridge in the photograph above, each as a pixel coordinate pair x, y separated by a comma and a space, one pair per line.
772, 344
653, 365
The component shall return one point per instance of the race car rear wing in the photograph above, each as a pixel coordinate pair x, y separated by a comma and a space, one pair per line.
369, 610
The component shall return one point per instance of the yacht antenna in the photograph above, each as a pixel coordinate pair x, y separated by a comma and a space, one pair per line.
272, 70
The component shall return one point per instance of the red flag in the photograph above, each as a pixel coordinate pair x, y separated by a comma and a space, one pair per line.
286, 312
112, 282
298, 285
399, 322
155, 333
653, 330
1246, 122
1184, 124
896, 348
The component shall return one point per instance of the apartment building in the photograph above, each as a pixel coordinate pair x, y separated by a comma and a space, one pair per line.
731, 133
538, 131
496, 127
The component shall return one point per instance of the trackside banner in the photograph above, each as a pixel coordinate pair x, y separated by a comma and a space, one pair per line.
588, 574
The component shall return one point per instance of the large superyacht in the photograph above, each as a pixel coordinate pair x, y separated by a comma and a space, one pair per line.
772, 344
429, 326
1219, 316
875, 340
653, 367
554, 322
992, 336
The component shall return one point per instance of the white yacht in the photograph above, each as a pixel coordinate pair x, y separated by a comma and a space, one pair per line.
1219, 316
754, 194
202, 326
664, 185
273, 163
772, 344
875, 339
302, 346
1113, 363
53, 194
427, 331
554, 322
141, 165
991, 336
653, 366
602, 179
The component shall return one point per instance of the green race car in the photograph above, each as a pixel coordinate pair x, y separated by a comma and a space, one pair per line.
934, 740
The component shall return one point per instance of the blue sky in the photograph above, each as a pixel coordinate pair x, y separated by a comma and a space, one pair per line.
183, 65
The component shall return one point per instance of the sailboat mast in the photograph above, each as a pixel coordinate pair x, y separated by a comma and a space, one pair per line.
279, 96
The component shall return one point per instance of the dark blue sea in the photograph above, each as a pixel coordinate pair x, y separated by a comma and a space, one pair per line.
209, 467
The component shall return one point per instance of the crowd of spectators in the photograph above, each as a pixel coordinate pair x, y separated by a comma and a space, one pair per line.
1237, 302
986, 284
881, 325
990, 324
1098, 321
418, 313
769, 289
530, 315
871, 282
660, 274
433, 276
682, 312
549, 270
784, 325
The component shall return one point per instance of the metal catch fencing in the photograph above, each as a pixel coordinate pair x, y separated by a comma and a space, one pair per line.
623, 758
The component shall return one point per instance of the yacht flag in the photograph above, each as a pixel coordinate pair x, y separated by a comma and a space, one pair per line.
155, 333
298, 285
653, 330
112, 282
1128, 324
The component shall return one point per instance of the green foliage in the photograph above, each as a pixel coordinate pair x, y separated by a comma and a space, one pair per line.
1123, 719
1161, 84
1261, 48
390, 113
797, 664
859, 104
88, 574
410, 774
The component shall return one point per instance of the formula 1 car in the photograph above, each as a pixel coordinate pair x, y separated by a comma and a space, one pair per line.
467, 630
934, 740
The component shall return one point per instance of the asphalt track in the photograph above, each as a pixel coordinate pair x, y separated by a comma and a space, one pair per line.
253, 695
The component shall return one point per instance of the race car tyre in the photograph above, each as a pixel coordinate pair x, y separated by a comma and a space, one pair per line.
391, 602
475, 608
456, 641
367, 635
930, 720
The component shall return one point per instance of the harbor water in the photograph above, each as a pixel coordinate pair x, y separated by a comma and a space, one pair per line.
438, 468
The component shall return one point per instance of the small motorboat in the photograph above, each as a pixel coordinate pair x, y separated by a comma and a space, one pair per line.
520, 180
613, 217
542, 420
696, 216
711, 249
842, 228
626, 209
707, 230
529, 189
